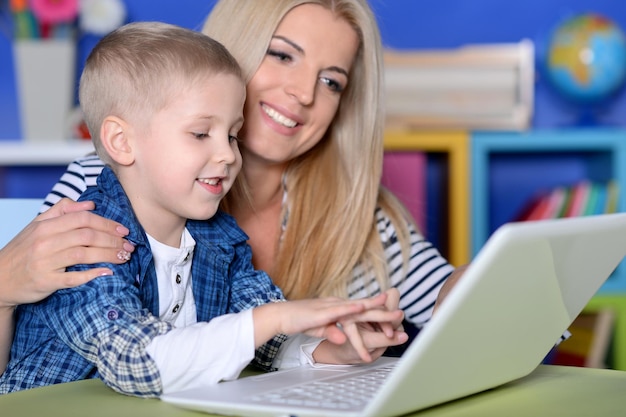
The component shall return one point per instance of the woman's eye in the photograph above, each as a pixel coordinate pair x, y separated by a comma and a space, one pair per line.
199, 135
281, 56
232, 138
332, 84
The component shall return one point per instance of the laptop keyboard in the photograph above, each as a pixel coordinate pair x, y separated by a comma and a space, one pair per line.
341, 392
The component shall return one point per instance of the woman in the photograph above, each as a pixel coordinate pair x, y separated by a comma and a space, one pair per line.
318, 220
32, 265
309, 195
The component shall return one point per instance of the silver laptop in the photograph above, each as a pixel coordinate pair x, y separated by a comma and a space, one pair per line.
519, 295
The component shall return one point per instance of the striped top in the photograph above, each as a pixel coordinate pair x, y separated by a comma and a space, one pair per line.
418, 286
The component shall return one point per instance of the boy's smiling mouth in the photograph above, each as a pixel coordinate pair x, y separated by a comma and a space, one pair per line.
210, 181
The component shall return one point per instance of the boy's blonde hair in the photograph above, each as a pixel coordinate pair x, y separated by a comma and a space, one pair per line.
334, 189
137, 69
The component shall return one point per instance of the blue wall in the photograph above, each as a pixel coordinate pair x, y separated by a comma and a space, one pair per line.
429, 24
405, 24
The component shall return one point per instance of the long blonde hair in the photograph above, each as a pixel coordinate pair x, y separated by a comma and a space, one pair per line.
334, 189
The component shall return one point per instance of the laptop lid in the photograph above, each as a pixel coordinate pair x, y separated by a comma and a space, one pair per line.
519, 295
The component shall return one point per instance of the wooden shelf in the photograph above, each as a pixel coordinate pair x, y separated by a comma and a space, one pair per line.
16, 153
456, 146
616, 302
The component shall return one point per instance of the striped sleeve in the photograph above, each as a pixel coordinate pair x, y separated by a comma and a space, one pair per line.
80, 174
419, 284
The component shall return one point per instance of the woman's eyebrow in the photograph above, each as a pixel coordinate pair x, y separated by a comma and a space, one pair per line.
290, 42
299, 49
339, 70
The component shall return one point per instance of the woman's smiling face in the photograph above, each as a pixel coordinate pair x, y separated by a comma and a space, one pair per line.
295, 93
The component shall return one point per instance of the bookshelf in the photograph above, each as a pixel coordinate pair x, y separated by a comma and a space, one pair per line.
510, 169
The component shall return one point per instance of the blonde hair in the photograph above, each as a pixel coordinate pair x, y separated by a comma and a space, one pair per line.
135, 70
326, 236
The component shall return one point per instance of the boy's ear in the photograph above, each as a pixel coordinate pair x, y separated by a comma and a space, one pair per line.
115, 138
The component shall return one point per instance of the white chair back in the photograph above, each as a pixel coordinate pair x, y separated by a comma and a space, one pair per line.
15, 213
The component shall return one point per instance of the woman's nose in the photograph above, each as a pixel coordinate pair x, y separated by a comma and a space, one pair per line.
302, 89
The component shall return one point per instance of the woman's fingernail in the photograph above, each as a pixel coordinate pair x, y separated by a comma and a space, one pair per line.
122, 230
123, 255
128, 247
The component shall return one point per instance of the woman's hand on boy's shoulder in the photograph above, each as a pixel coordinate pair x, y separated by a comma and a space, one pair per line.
33, 263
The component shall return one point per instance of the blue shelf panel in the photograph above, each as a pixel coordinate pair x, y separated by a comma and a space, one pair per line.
509, 169
437, 186
516, 179
29, 181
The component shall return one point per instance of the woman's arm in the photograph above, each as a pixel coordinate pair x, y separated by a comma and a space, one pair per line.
32, 265
449, 284
6, 335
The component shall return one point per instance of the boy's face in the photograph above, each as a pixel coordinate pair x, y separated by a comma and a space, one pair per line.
188, 158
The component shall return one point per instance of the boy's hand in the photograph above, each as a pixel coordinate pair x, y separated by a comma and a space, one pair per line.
368, 324
368, 337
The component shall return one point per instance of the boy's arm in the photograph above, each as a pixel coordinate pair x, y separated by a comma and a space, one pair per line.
104, 322
189, 357
274, 320
252, 288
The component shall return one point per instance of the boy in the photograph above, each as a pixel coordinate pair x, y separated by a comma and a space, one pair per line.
164, 105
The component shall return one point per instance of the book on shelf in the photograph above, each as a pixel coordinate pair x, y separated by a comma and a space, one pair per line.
581, 199
546, 206
612, 196
601, 200
592, 199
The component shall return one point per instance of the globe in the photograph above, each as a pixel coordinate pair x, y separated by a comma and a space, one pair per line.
586, 59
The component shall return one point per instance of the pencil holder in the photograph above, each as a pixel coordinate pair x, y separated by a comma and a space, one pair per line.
45, 79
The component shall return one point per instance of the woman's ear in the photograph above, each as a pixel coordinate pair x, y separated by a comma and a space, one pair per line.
116, 140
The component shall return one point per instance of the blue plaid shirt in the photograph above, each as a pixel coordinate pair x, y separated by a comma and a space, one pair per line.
101, 329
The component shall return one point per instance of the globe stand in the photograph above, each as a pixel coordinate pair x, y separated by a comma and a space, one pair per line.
588, 116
